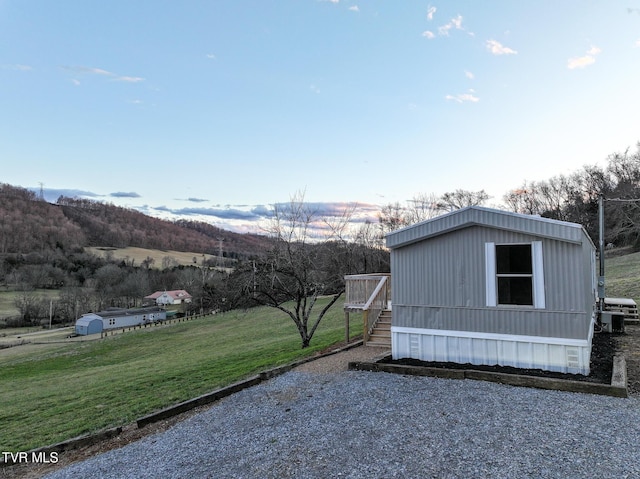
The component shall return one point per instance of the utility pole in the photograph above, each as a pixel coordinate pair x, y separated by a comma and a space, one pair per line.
220, 258
601, 291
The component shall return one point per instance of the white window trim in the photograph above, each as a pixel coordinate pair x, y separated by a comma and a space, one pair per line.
539, 301
490, 273
491, 293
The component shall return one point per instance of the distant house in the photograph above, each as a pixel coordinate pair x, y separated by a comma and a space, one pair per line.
485, 286
115, 318
166, 298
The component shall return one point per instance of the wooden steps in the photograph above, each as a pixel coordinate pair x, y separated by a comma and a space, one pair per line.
623, 305
381, 335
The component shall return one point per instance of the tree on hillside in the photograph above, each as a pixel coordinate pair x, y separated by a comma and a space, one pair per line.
575, 198
293, 276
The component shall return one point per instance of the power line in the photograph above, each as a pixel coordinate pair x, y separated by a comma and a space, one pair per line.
623, 200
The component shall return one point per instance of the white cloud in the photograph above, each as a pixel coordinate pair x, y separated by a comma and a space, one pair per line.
454, 23
638, 43
584, 61
463, 97
101, 72
469, 75
431, 12
211, 56
314, 88
444, 29
19, 68
75, 82
354, 8
96, 71
580, 62
594, 51
129, 79
497, 48
428, 34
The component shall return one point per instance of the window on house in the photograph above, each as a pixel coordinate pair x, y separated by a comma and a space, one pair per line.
515, 274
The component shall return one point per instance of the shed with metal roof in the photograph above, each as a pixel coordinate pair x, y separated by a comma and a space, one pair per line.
486, 286
89, 324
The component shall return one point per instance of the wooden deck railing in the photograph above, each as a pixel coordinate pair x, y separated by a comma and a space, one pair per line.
368, 293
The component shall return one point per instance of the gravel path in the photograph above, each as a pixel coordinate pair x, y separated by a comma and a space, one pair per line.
354, 424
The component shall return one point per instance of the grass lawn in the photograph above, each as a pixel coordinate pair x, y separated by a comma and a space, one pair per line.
622, 276
59, 392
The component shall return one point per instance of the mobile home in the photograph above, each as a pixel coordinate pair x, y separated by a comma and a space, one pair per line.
485, 286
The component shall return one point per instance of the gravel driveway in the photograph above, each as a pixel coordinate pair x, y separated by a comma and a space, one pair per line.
354, 424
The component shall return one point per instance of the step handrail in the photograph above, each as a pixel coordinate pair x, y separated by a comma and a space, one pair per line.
376, 292
374, 307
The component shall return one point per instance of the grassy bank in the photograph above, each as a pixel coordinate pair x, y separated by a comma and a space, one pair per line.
56, 393
622, 276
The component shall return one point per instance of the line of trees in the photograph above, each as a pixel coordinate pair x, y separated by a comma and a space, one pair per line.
572, 198
575, 197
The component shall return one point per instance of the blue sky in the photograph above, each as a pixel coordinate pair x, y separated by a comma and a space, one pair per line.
218, 109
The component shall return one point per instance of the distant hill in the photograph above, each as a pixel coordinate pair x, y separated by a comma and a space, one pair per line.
29, 224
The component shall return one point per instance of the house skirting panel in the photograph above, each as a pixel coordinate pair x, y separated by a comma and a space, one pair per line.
465, 347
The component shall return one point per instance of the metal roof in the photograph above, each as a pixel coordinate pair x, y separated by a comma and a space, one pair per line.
491, 218
119, 312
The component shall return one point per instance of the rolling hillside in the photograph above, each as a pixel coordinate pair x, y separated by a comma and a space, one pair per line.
29, 224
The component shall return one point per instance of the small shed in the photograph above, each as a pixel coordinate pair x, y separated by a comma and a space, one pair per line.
490, 287
89, 324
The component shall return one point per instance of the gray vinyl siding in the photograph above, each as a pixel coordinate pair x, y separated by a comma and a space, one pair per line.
439, 282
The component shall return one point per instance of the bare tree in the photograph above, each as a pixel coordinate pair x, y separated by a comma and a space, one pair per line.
461, 199
392, 216
292, 277
422, 207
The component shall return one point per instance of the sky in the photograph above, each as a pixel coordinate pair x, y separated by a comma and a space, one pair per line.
215, 110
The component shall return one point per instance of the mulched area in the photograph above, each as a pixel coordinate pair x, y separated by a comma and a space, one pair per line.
602, 351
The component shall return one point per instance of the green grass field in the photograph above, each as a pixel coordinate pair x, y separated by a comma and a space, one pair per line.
54, 392
622, 276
